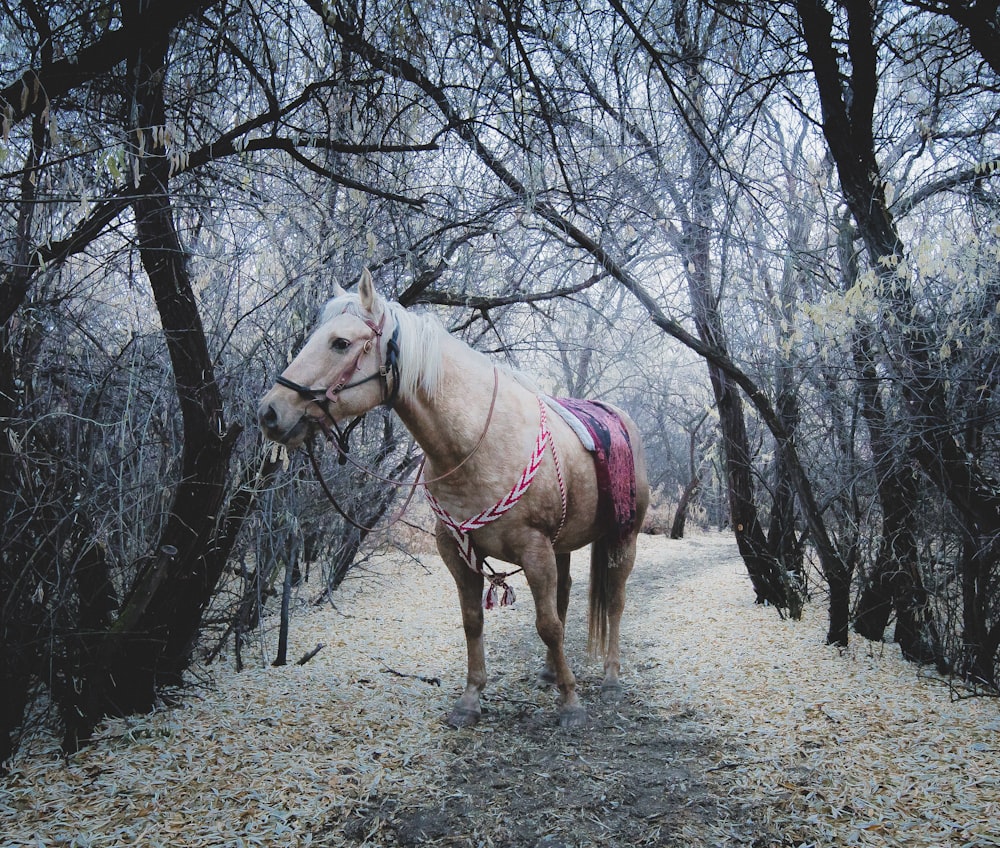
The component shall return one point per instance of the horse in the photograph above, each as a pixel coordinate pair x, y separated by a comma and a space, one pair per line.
486, 435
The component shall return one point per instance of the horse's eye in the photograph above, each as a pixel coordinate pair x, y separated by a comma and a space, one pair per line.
340, 345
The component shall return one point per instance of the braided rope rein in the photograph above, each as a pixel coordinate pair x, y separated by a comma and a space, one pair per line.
460, 530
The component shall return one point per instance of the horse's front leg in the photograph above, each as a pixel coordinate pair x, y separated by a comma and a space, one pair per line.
542, 573
467, 710
565, 582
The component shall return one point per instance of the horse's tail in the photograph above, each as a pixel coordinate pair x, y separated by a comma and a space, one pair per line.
613, 554
605, 577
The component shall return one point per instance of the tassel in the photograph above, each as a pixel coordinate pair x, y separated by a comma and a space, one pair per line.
508, 596
490, 601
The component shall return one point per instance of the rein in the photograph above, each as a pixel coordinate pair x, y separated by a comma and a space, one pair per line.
343, 457
336, 504
337, 438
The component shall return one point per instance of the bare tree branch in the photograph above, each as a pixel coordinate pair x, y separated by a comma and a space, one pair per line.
50, 82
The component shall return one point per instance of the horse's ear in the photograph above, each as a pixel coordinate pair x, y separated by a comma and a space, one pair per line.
370, 300
338, 290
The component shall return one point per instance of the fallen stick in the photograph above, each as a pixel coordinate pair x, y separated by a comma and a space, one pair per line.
433, 681
308, 656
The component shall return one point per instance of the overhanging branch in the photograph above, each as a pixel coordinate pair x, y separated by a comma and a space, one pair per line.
38, 86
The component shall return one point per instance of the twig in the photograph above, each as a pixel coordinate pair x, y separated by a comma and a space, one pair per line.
433, 681
308, 656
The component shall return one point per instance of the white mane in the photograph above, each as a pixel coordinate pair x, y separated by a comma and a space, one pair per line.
419, 351
419, 342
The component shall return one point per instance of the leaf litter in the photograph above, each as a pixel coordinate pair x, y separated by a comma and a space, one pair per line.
737, 729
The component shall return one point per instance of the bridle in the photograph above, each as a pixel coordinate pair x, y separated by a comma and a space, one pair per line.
390, 368
387, 372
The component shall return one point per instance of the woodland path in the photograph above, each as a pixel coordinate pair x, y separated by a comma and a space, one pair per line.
634, 776
737, 729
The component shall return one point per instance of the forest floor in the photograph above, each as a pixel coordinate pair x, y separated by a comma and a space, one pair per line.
737, 729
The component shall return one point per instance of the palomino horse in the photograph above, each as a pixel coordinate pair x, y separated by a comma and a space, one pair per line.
493, 450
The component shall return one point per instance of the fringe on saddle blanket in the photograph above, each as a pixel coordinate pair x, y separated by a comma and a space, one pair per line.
603, 433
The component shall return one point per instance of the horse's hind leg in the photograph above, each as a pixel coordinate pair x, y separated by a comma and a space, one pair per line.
467, 710
548, 673
620, 566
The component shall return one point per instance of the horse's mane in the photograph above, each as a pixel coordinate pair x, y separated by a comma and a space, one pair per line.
420, 334
419, 351
420, 361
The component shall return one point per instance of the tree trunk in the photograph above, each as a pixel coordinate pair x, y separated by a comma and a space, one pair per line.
767, 574
281, 657
769, 577
20, 628
980, 640
169, 622
79, 663
150, 643
782, 538
894, 582
21, 615
680, 516
694, 481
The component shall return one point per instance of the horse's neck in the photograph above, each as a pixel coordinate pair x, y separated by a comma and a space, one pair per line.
450, 426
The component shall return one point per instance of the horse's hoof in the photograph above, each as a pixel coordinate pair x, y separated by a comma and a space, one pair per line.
612, 693
546, 677
462, 717
572, 718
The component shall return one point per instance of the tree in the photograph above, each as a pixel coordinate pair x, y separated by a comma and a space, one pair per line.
182, 184
848, 90
112, 554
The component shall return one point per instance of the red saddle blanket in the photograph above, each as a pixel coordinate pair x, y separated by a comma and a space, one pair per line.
613, 462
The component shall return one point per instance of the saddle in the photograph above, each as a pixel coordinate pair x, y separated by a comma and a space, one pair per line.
602, 432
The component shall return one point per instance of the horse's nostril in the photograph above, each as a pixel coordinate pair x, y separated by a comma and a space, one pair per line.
268, 416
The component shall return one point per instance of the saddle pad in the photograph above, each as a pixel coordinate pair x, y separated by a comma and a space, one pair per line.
602, 432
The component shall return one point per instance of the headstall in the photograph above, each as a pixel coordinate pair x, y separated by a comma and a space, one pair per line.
388, 373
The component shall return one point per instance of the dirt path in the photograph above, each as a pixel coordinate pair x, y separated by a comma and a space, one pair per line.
636, 775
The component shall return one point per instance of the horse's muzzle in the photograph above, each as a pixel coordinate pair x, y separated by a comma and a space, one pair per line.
277, 429
267, 417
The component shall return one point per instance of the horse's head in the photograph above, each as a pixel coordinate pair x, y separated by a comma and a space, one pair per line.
346, 367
